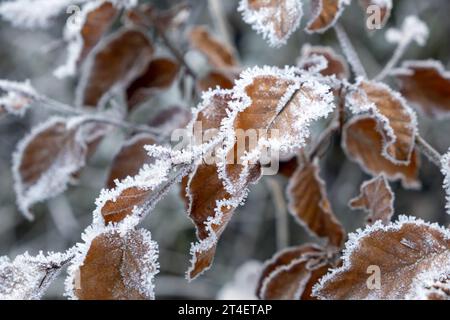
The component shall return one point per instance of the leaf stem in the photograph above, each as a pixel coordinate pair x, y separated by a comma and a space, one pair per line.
398, 54
428, 151
349, 51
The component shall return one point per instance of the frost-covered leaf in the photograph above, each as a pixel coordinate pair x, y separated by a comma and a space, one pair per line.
325, 14
114, 265
278, 107
407, 254
335, 63
376, 198
159, 75
219, 54
214, 79
211, 208
385, 7
95, 19
363, 144
436, 289
291, 273
33, 13
48, 157
396, 120
413, 29
113, 65
27, 277
276, 20
308, 203
130, 158
426, 84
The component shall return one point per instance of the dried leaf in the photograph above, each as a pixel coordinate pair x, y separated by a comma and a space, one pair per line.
325, 14
172, 18
288, 274
407, 254
27, 277
113, 65
385, 7
115, 266
336, 64
308, 203
46, 159
130, 158
437, 289
276, 20
219, 54
426, 84
376, 198
396, 120
363, 144
214, 79
159, 75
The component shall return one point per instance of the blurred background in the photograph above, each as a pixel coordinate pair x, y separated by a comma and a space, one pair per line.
258, 229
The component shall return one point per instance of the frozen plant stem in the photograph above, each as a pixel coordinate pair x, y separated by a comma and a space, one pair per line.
349, 51
428, 151
398, 54
281, 217
216, 10
125, 125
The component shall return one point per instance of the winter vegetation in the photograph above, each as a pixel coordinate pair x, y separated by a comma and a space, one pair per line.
251, 149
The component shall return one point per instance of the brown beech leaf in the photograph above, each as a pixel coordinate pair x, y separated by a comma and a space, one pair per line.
116, 63
219, 54
389, 262
290, 275
426, 84
46, 159
396, 120
117, 267
210, 208
215, 79
384, 6
308, 203
363, 144
276, 20
97, 22
130, 158
325, 14
377, 198
336, 64
159, 75
278, 105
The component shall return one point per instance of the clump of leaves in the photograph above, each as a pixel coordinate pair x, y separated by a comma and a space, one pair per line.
113, 53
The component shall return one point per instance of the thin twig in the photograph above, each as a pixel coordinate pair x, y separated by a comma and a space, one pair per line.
216, 10
349, 51
428, 151
281, 217
398, 54
157, 134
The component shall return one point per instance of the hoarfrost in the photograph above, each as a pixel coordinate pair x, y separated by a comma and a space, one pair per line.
413, 29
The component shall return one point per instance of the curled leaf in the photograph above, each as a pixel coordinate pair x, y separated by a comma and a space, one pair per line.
325, 14
335, 63
363, 144
276, 20
214, 79
426, 84
396, 120
308, 203
291, 273
377, 198
389, 262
